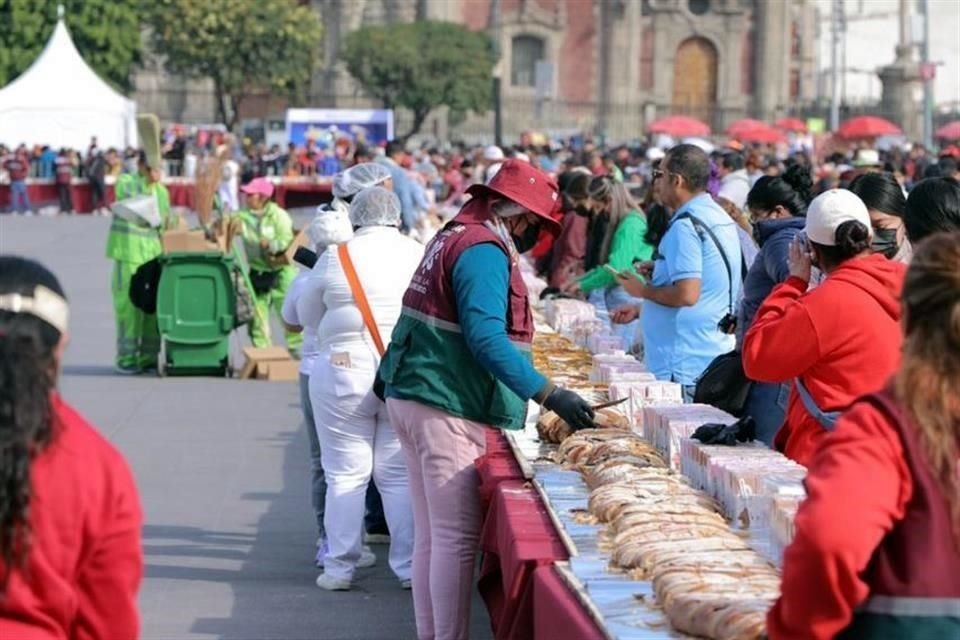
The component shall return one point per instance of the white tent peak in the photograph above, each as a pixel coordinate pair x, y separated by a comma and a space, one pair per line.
59, 100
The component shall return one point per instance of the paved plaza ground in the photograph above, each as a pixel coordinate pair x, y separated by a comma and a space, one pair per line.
222, 468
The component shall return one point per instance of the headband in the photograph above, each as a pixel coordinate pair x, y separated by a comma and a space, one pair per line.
44, 304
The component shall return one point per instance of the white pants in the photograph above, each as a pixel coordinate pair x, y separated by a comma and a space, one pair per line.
357, 440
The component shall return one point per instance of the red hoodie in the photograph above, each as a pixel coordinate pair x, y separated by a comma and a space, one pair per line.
85, 561
842, 339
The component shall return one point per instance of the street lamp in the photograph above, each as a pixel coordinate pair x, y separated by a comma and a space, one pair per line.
497, 104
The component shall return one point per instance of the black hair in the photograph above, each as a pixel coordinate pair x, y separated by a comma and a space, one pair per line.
574, 184
932, 206
932, 171
880, 192
852, 239
948, 165
692, 163
790, 191
394, 147
658, 219
27, 378
732, 160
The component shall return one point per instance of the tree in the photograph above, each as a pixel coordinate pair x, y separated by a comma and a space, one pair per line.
421, 66
106, 32
244, 46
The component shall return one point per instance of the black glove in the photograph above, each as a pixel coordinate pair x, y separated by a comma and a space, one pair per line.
574, 410
743, 430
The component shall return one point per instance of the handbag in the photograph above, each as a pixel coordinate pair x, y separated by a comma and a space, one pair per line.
724, 384
360, 297
264, 281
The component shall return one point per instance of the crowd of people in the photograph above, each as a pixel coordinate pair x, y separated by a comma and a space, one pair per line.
828, 282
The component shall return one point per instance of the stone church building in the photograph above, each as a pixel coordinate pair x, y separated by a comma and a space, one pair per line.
608, 66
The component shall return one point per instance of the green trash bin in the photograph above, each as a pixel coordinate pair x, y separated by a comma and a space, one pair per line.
196, 311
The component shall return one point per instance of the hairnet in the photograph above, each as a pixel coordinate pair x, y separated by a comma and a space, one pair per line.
375, 206
358, 177
331, 225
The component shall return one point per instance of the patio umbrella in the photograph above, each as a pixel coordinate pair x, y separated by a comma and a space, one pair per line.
791, 124
767, 135
867, 127
949, 131
743, 125
679, 126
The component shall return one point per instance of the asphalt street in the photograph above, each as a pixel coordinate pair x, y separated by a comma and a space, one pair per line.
222, 469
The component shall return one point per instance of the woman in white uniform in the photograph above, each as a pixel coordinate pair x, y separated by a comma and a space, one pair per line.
356, 438
329, 227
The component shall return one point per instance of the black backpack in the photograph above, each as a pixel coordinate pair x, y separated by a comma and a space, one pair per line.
144, 286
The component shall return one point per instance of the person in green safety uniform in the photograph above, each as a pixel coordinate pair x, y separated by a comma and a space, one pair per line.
267, 233
131, 245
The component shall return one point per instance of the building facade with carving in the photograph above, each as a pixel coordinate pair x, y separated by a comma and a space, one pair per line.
608, 66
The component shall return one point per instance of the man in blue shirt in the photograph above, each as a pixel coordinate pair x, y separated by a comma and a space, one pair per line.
689, 292
402, 184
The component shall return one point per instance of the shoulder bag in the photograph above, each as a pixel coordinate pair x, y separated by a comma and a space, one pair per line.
360, 297
723, 384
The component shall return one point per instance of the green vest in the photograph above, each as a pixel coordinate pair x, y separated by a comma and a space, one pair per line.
128, 241
905, 619
274, 226
440, 371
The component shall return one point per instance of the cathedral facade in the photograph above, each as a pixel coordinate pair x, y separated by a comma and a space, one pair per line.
608, 66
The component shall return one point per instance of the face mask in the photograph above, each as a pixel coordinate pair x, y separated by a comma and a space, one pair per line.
528, 239
885, 242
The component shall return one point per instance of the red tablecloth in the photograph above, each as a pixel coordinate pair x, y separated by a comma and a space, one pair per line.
557, 614
43, 194
297, 194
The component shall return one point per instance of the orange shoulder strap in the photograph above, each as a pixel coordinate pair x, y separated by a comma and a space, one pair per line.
360, 297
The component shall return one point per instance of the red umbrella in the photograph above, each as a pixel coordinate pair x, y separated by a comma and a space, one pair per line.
867, 127
949, 131
744, 125
767, 135
679, 127
791, 124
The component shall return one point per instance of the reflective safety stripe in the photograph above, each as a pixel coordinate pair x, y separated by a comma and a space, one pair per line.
901, 606
125, 227
432, 321
446, 325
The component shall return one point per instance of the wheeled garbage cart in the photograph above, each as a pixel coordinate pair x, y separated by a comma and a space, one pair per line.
196, 311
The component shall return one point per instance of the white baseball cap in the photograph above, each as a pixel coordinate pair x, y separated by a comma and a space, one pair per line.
831, 209
493, 153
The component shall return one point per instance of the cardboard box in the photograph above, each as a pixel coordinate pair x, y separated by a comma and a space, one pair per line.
179, 241
279, 371
269, 363
286, 258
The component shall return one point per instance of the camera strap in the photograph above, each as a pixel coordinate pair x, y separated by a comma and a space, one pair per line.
700, 226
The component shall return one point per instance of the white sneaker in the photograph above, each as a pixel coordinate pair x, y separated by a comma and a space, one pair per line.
367, 558
328, 582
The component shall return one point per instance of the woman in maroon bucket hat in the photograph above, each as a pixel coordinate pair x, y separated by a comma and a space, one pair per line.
459, 364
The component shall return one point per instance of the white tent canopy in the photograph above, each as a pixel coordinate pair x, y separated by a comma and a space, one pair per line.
60, 101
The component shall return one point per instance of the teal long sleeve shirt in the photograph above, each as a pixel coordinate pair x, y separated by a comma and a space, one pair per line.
481, 282
628, 244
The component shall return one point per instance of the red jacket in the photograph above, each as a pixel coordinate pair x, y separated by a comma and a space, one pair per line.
85, 562
858, 488
842, 338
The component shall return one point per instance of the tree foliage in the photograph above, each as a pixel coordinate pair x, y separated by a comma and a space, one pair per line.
421, 66
106, 32
243, 46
